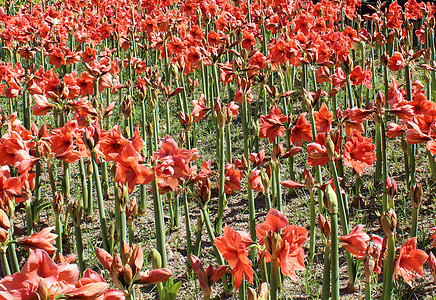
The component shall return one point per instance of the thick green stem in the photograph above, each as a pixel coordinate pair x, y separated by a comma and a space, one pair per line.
335, 257
160, 224
242, 290
5, 264
343, 213
325, 295
13, 258
82, 174
379, 155
100, 202
221, 192
58, 229
79, 249
312, 227
29, 217
188, 228
368, 290
414, 229
274, 279
388, 283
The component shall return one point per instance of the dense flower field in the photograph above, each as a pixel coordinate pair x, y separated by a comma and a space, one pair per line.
119, 111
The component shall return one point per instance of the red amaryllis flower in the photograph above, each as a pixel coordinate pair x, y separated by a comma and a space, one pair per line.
301, 131
130, 170
317, 151
409, 262
272, 124
356, 241
200, 110
396, 61
359, 152
234, 247
359, 77
40, 240
323, 119
290, 184
255, 181
288, 251
206, 277
233, 179
41, 274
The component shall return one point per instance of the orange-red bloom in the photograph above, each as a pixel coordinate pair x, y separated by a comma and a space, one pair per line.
396, 61
323, 119
40, 240
301, 131
359, 152
289, 254
409, 262
206, 277
234, 247
356, 241
272, 124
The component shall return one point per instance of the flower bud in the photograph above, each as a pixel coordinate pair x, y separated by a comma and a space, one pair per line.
58, 204
156, 259
220, 113
308, 179
416, 195
389, 222
273, 243
266, 180
368, 267
277, 152
42, 290
330, 148
332, 200
324, 226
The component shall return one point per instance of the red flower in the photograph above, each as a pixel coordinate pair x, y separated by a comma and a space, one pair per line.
272, 124
200, 110
40, 240
255, 181
409, 262
356, 241
129, 170
234, 247
302, 130
206, 277
317, 152
396, 61
359, 152
323, 119
289, 252
233, 179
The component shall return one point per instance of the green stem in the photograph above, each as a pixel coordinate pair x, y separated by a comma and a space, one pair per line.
29, 217
326, 274
388, 283
312, 226
242, 290
100, 202
79, 245
160, 225
13, 258
274, 279
82, 174
58, 228
414, 229
335, 257
368, 290
188, 228
221, 192
5, 264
